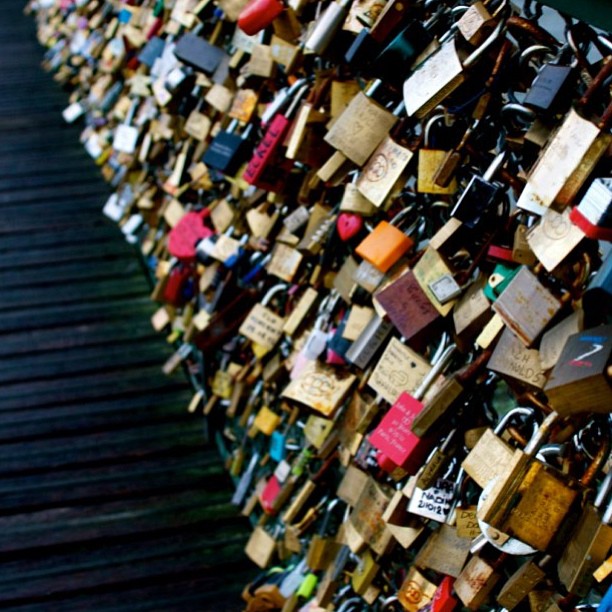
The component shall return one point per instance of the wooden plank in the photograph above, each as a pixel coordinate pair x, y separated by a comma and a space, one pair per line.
110, 498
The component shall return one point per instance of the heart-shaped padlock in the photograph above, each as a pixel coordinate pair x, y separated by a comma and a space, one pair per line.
184, 236
349, 225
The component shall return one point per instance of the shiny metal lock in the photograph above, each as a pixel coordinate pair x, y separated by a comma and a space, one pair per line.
262, 325
371, 339
531, 500
488, 459
441, 74
430, 161
589, 543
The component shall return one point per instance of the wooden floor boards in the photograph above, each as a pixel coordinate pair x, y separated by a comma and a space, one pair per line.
109, 497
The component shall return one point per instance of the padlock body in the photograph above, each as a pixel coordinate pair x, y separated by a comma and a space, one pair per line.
226, 152
259, 14
384, 246
396, 443
549, 87
478, 198
541, 503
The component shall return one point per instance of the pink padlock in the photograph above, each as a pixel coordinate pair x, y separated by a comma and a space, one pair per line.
184, 236
397, 445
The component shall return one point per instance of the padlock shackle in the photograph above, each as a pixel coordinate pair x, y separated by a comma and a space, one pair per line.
496, 164
272, 292
427, 131
297, 100
529, 52
542, 434
282, 98
131, 112
435, 371
484, 47
518, 411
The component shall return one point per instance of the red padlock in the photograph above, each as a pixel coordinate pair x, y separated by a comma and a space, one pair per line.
259, 14
397, 445
443, 600
266, 170
269, 495
176, 283
184, 236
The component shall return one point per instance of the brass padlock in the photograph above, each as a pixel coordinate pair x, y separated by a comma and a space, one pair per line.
531, 500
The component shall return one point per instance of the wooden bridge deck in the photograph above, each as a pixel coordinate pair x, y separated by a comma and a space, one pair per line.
109, 500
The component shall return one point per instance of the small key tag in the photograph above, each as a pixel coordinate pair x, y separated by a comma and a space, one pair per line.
73, 112
445, 288
433, 503
125, 138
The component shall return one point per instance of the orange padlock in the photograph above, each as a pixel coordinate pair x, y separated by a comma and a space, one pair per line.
385, 244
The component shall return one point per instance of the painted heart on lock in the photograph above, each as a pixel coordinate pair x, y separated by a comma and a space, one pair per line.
349, 225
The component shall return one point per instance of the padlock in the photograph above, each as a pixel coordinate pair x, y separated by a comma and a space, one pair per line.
441, 74
522, 582
228, 150
261, 547
385, 244
416, 591
126, 134
361, 127
526, 306
488, 459
430, 161
531, 500
262, 325
397, 445
258, 14
476, 23
552, 84
478, 579
371, 339
408, 307
589, 543
323, 548
260, 170
480, 198
198, 53
580, 381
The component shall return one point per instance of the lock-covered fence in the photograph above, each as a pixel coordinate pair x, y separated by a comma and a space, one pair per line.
379, 237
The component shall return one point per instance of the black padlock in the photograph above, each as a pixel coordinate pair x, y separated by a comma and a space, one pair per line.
198, 53
402, 51
228, 150
480, 196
